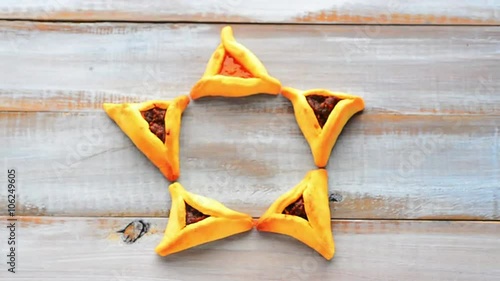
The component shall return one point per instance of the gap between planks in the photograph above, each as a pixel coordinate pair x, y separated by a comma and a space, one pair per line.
159, 22
437, 12
59, 217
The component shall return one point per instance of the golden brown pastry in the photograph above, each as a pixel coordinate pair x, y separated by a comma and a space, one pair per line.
303, 213
321, 116
234, 71
196, 220
154, 128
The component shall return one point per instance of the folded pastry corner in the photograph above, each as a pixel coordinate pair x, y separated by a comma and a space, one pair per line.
234, 71
195, 220
154, 127
321, 116
303, 213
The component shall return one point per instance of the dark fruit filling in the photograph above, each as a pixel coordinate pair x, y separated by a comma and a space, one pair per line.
322, 106
156, 120
297, 208
193, 215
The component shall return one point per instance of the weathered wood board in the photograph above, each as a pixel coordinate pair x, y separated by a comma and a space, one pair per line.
425, 147
417, 173
245, 155
83, 248
396, 69
470, 12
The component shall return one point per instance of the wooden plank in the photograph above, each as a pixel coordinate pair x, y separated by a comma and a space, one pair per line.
83, 248
468, 12
246, 152
397, 69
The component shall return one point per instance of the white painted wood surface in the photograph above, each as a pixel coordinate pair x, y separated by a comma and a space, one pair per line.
90, 248
277, 11
426, 147
396, 69
246, 155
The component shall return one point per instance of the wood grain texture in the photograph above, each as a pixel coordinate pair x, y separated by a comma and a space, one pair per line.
83, 248
397, 70
468, 12
425, 150
246, 152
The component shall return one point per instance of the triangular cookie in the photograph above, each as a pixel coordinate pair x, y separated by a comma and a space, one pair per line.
154, 127
321, 127
234, 71
196, 220
303, 213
